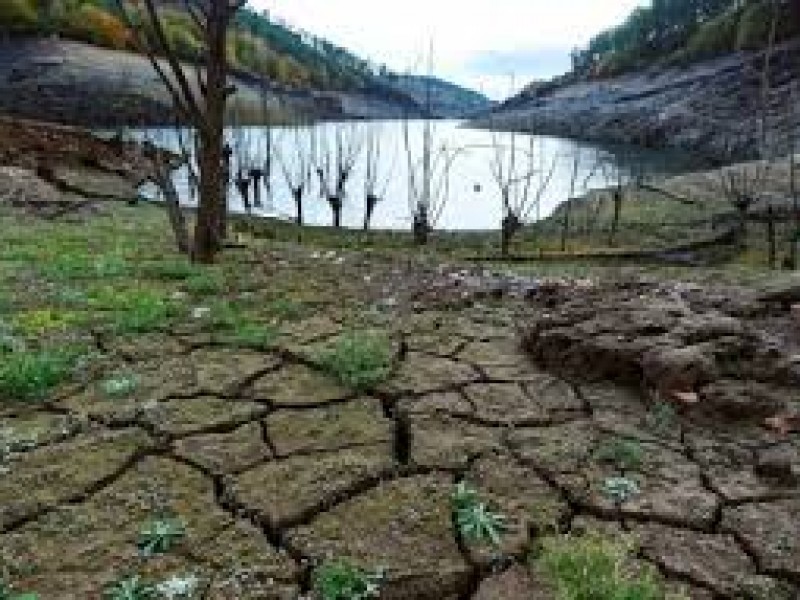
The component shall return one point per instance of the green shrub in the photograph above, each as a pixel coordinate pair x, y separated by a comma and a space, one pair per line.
593, 568
19, 16
754, 26
26, 375
358, 360
713, 38
342, 581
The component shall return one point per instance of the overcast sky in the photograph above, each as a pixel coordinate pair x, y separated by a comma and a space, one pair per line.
477, 43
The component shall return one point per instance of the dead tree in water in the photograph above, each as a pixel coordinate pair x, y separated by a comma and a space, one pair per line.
374, 185
521, 183
296, 166
201, 105
336, 166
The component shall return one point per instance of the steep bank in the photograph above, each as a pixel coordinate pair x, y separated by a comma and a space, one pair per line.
75, 83
712, 107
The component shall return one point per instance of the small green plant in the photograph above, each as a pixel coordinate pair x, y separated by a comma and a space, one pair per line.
30, 375
8, 593
120, 386
342, 581
285, 309
624, 453
252, 335
661, 418
158, 536
140, 312
204, 284
358, 360
594, 568
132, 588
171, 270
475, 522
620, 489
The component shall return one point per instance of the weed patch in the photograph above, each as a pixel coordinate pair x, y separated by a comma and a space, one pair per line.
360, 360
593, 568
30, 375
342, 581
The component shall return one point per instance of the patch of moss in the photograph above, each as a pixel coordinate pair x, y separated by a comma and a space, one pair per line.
595, 568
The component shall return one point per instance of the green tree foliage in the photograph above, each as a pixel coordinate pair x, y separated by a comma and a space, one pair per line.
685, 30
257, 46
18, 16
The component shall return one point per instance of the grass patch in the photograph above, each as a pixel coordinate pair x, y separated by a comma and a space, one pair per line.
204, 284
624, 453
134, 310
30, 375
594, 568
65, 267
285, 309
340, 580
40, 322
171, 270
8, 593
359, 360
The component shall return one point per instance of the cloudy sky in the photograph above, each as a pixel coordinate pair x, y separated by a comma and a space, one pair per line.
483, 44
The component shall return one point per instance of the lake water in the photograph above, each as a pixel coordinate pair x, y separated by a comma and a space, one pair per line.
464, 164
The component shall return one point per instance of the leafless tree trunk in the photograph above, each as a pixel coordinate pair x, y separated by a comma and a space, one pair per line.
296, 166
374, 188
202, 105
336, 167
520, 182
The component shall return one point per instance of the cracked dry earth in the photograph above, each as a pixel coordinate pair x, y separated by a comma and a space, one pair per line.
275, 467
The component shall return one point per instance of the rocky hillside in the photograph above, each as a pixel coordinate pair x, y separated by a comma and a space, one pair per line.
439, 98
76, 83
711, 107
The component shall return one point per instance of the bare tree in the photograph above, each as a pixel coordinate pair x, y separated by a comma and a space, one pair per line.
158, 148
296, 166
338, 156
575, 188
521, 182
374, 184
201, 105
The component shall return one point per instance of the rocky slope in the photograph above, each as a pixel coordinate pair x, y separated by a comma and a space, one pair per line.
75, 83
711, 107
440, 98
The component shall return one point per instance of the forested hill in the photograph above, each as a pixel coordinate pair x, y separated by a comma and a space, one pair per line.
675, 32
259, 46
437, 97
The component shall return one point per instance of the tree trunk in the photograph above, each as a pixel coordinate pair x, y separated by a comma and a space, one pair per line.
771, 237
336, 210
172, 203
297, 194
612, 238
211, 213
565, 228
372, 201
207, 239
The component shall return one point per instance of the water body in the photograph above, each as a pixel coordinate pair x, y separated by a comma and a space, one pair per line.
464, 162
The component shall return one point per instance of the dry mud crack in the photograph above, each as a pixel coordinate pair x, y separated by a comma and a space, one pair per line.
275, 467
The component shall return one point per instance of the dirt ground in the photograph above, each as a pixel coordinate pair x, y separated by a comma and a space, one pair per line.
275, 466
